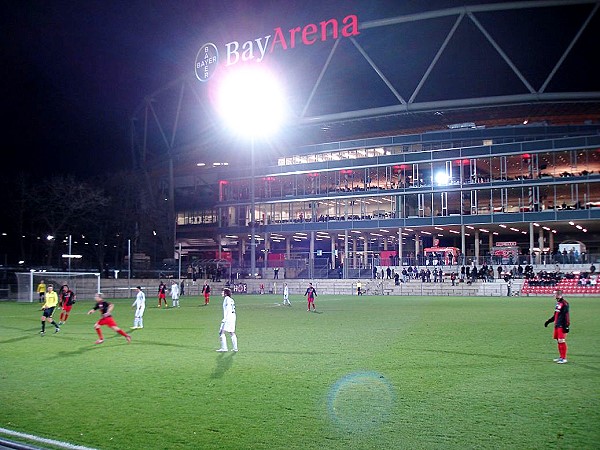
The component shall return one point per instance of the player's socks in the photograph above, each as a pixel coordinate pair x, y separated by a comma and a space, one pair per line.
99, 331
562, 350
234, 342
54, 323
122, 333
43, 326
223, 341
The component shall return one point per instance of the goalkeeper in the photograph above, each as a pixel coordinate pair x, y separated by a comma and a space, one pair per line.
562, 322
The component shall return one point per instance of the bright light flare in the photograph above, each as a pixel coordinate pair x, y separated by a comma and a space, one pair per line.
250, 100
442, 178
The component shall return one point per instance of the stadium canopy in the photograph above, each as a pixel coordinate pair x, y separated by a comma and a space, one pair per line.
469, 66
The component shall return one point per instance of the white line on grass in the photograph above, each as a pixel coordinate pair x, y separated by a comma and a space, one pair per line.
42, 440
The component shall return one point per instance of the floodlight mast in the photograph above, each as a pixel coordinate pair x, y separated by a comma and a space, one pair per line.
251, 101
252, 213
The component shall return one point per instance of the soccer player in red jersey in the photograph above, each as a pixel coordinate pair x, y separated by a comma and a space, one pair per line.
562, 322
106, 309
206, 292
310, 294
67, 300
162, 294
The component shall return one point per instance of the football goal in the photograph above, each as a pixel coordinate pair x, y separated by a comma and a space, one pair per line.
84, 284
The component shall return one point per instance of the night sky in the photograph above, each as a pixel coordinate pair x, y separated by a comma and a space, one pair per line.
74, 72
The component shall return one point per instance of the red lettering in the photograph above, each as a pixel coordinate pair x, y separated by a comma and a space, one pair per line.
278, 38
350, 26
334, 29
307, 33
293, 32
307, 36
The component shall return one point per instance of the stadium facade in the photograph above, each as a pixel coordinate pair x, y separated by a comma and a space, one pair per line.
501, 194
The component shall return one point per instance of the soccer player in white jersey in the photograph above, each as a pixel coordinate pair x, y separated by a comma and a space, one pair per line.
286, 295
228, 322
140, 307
175, 293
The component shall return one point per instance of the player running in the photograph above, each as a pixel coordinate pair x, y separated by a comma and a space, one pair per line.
67, 300
48, 310
106, 309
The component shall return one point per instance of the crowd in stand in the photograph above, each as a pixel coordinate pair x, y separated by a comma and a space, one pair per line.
552, 278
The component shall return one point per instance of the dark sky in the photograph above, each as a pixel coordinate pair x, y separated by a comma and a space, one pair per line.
74, 72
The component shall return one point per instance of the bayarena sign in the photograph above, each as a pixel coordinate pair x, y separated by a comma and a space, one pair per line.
207, 59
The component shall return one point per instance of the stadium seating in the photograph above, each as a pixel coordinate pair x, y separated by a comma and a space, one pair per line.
567, 285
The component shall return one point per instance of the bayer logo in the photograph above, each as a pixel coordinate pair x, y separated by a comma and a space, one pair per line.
207, 60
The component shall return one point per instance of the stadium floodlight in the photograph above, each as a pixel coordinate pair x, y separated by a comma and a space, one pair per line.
251, 102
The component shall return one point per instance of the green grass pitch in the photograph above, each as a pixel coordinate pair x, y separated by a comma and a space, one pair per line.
365, 372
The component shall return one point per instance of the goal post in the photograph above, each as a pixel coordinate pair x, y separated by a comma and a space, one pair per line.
84, 284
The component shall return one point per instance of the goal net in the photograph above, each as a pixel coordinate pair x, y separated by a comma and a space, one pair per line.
84, 284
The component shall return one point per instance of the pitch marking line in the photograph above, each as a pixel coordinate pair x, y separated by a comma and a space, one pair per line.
42, 440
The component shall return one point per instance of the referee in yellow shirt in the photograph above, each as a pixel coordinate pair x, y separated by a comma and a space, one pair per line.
48, 310
41, 290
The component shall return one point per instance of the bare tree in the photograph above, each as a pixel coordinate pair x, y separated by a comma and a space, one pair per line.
61, 203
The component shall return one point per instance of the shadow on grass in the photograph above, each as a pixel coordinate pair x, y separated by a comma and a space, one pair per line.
31, 333
224, 363
511, 357
20, 338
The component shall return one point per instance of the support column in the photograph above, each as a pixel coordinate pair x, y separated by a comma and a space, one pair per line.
333, 257
400, 253
463, 245
345, 259
417, 249
540, 244
477, 247
366, 250
242, 251
288, 247
490, 245
311, 257
531, 238
354, 252
267, 250
551, 242
220, 246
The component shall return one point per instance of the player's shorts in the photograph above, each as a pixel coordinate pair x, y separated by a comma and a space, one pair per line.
161, 296
108, 321
206, 295
229, 325
67, 308
559, 333
311, 299
48, 312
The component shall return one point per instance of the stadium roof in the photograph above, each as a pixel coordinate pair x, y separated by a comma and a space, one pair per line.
483, 65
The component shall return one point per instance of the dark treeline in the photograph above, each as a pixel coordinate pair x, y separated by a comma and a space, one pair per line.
101, 215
